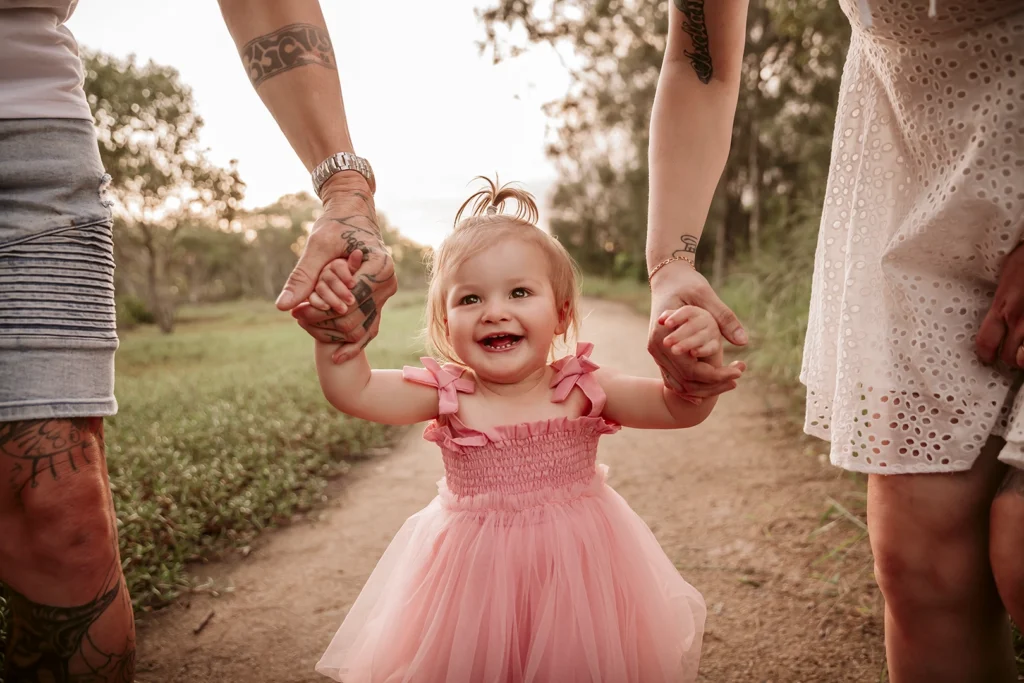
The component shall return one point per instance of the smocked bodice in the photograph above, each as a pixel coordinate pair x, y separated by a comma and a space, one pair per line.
515, 460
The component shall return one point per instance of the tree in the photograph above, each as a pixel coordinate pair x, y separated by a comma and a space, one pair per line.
148, 133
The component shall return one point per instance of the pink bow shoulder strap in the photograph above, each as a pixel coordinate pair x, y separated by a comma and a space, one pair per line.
576, 370
448, 380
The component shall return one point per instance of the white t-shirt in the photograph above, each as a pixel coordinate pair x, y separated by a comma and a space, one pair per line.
41, 74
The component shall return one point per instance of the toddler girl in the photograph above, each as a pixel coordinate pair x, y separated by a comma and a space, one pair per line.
527, 566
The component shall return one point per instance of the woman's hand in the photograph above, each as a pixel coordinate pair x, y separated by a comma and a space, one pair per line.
1002, 331
673, 287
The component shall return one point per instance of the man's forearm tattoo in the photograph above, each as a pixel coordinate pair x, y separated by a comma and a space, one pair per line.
286, 48
694, 26
689, 246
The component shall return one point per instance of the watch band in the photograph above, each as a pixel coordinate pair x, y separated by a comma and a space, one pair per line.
342, 161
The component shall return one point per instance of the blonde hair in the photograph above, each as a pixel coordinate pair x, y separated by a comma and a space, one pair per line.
486, 225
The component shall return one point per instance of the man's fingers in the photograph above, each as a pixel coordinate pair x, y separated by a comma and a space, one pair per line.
303, 277
347, 352
990, 336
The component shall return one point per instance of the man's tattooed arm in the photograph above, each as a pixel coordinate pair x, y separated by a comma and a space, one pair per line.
694, 26
286, 48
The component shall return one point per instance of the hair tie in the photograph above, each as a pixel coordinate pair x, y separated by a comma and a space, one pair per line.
492, 209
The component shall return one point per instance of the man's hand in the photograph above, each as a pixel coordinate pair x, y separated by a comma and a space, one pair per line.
673, 287
349, 224
1002, 331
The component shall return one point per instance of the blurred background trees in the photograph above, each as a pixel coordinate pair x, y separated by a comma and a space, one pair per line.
180, 234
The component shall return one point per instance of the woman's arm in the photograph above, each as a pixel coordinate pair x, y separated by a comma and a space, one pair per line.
691, 122
691, 131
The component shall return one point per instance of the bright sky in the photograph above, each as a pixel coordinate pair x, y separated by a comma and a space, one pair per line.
423, 105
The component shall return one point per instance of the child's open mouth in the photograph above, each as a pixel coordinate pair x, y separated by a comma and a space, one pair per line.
501, 342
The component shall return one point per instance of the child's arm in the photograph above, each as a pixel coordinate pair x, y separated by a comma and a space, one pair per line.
352, 387
646, 403
377, 395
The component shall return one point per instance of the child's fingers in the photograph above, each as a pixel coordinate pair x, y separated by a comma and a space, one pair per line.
684, 331
355, 259
328, 288
338, 276
690, 336
682, 315
318, 303
707, 349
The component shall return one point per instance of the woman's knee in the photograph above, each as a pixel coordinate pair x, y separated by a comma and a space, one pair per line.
930, 553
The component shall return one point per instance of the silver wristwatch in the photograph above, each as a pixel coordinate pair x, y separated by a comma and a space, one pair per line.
342, 161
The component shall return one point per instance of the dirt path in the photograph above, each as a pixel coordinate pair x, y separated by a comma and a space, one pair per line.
737, 504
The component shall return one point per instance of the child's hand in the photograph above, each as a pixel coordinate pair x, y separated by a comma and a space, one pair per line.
333, 289
694, 331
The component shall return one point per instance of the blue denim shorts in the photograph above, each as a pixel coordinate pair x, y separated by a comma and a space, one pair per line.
58, 330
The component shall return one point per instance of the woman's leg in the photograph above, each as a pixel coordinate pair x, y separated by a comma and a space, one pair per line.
1007, 543
929, 534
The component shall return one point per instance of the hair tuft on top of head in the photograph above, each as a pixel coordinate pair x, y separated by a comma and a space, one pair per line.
490, 201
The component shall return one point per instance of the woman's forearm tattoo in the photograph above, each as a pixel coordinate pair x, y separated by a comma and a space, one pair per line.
286, 48
689, 246
694, 26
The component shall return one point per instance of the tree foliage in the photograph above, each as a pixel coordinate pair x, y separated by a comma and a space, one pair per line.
180, 234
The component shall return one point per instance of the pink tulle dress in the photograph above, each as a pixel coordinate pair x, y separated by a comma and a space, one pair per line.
526, 568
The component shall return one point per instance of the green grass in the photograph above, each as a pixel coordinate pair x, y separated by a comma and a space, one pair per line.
222, 431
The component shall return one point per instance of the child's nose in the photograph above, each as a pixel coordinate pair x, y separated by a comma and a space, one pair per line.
496, 312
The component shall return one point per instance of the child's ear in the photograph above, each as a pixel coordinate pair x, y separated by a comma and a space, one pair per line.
447, 332
563, 320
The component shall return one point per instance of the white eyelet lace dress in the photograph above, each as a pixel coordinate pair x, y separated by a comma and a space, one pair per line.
925, 198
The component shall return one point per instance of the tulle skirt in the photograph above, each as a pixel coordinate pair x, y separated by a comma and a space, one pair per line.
548, 587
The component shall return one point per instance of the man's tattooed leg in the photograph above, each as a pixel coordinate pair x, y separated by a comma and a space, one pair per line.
694, 26
55, 644
286, 48
71, 616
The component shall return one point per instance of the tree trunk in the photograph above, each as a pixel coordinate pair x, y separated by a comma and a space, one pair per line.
754, 173
721, 230
157, 302
753, 132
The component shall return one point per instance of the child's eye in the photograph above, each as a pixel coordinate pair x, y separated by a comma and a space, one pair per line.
520, 292
469, 299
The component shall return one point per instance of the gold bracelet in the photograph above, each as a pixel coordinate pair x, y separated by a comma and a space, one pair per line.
670, 259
